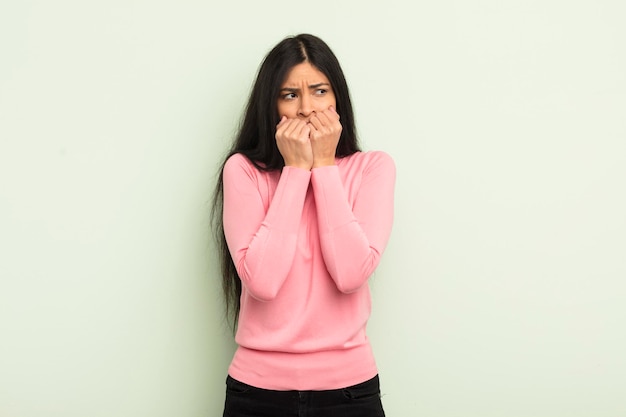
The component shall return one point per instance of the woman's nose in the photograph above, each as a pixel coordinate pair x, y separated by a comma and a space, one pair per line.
306, 107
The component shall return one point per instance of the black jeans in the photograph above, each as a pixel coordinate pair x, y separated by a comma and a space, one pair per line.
361, 400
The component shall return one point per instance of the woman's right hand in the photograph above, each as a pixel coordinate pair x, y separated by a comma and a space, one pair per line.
294, 144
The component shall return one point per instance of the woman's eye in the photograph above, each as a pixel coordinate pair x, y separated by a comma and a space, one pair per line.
321, 92
289, 96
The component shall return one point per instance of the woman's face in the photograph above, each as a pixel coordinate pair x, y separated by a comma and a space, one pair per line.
306, 90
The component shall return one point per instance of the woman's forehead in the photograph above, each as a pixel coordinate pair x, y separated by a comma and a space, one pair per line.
304, 73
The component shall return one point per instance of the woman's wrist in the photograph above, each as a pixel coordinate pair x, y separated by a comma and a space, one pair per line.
323, 162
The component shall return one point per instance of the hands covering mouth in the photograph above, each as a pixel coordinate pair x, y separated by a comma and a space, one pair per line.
309, 143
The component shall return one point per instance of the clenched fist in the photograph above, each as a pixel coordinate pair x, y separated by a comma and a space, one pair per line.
325, 134
294, 144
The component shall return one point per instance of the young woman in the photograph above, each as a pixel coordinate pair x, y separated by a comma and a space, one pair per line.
303, 217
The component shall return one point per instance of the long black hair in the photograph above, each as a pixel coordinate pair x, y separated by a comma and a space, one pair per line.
256, 136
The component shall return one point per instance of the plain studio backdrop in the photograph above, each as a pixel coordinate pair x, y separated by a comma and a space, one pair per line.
502, 292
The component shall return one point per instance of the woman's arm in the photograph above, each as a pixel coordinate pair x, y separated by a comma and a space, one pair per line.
262, 240
354, 237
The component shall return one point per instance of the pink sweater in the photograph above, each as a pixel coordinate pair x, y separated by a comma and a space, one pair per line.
304, 244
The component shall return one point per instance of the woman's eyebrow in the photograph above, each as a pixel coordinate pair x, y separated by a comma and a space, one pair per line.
318, 85
312, 86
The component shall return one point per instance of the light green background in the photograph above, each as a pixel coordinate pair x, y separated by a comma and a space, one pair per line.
502, 292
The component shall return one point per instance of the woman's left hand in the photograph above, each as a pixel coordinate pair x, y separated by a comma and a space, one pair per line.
325, 134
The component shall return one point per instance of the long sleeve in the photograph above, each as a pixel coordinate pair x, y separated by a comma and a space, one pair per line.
262, 239
353, 234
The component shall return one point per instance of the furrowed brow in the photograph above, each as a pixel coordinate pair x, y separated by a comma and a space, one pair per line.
297, 90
